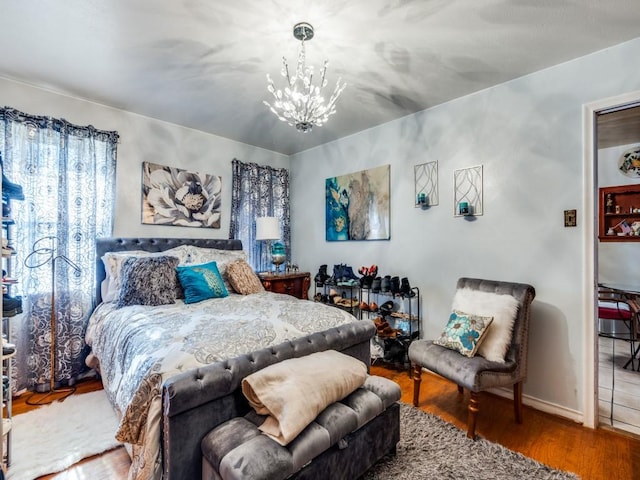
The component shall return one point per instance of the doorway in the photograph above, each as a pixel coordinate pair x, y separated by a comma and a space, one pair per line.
617, 133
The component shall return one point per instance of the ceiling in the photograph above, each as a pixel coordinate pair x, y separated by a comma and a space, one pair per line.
202, 63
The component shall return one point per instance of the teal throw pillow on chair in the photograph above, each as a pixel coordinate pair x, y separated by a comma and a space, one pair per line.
201, 282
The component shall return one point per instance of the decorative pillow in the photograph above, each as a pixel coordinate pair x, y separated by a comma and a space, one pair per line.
201, 282
503, 309
464, 332
113, 266
243, 279
148, 281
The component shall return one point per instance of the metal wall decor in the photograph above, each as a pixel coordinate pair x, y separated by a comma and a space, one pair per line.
467, 192
426, 184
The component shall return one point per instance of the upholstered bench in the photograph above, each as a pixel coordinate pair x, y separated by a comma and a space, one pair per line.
343, 442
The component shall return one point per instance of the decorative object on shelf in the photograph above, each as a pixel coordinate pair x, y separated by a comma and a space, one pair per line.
268, 228
426, 184
629, 163
45, 251
357, 205
301, 103
609, 203
467, 191
173, 196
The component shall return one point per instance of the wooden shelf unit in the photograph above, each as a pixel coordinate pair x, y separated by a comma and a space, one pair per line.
626, 198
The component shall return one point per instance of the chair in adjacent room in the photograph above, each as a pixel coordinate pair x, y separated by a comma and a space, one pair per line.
477, 373
618, 318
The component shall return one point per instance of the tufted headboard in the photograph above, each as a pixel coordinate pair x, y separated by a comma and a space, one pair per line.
117, 244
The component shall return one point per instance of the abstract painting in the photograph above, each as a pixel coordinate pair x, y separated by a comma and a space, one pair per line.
357, 205
173, 196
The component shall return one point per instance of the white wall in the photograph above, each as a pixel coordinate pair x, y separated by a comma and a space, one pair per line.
146, 139
528, 135
617, 261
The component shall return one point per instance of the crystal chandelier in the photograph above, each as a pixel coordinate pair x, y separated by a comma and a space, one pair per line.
301, 103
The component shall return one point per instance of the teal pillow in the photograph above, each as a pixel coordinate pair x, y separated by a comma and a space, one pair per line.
464, 332
201, 282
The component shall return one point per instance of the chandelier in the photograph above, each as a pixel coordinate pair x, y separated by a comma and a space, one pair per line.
301, 103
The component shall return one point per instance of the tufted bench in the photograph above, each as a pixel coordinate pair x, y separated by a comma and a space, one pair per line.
344, 441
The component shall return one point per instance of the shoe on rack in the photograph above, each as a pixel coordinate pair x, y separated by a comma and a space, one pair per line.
385, 286
7, 348
364, 306
376, 285
387, 307
6, 209
11, 306
373, 307
395, 286
10, 189
405, 288
7, 250
322, 275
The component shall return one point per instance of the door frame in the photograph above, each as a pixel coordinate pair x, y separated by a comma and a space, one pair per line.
590, 278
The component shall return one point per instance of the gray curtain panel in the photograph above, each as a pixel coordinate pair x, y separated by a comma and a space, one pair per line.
259, 191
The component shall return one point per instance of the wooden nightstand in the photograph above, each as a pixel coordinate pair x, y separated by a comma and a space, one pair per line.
296, 284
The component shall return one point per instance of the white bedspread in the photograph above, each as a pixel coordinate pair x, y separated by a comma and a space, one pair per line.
138, 347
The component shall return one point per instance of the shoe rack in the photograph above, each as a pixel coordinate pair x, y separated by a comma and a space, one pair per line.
390, 302
11, 306
397, 319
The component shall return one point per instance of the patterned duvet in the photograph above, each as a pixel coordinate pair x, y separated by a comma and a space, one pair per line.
136, 348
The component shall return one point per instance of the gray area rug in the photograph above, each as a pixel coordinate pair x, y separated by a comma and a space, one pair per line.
429, 448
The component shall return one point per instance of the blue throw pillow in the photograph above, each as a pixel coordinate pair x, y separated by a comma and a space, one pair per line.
201, 282
464, 332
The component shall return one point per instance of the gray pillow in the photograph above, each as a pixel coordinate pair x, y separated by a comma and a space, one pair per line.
148, 281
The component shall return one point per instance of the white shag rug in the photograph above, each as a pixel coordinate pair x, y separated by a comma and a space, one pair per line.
54, 437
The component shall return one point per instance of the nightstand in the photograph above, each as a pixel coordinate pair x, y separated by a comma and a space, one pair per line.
296, 284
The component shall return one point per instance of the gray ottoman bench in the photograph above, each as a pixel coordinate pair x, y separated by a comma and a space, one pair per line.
343, 442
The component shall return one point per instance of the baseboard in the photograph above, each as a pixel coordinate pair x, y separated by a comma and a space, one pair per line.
542, 405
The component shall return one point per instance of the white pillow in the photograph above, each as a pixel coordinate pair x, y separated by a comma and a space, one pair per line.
503, 309
113, 265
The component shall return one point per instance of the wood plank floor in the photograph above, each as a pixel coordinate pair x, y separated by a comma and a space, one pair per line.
618, 388
559, 443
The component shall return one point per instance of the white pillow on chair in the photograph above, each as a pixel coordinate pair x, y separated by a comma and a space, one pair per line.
503, 309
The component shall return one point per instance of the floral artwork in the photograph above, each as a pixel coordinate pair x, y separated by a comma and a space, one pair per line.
357, 205
172, 196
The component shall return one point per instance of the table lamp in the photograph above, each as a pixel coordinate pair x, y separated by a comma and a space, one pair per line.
267, 228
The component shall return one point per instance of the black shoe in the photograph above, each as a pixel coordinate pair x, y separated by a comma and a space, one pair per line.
395, 286
10, 189
385, 286
321, 276
405, 288
11, 306
376, 285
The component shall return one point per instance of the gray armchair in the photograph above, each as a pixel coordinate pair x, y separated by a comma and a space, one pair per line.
477, 373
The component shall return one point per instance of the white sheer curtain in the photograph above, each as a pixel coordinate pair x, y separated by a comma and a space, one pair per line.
67, 174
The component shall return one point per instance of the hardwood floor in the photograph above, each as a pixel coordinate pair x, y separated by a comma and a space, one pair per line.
559, 443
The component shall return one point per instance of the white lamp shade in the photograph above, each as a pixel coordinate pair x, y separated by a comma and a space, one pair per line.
267, 228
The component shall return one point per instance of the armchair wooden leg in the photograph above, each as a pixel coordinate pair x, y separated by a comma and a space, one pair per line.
474, 402
517, 401
417, 379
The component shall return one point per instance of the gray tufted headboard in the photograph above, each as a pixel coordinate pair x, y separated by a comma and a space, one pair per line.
117, 244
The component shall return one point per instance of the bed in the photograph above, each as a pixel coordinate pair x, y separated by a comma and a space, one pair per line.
157, 361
